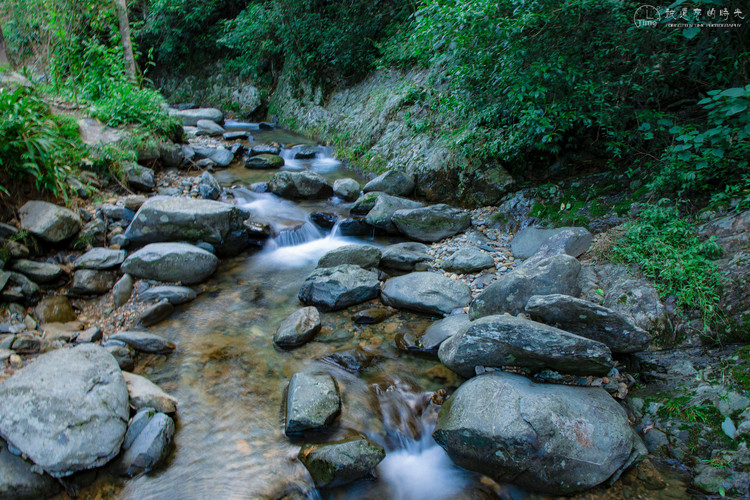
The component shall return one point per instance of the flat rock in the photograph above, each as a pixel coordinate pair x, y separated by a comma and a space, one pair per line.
264, 161
589, 320
499, 341
171, 262
264, 149
92, 282
145, 394
429, 293
553, 439
385, 206
334, 288
155, 313
432, 223
174, 294
190, 117
570, 240
300, 185
313, 403
298, 328
556, 274
408, 256
144, 341
49, 222
364, 256
100, 258
333, 464
391, 182
38, 272
210, 128
66, 423
147, 444
165, 219
468, 260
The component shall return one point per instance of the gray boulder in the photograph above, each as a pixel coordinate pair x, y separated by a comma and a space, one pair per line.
147, 443
298, 328
139, 177
163, 219
210, 128
334, 288
554, 439
92, 282
66, 423
468, 260
38, 272
145, 394
428, 293
175, 295
49, 222
364, 203
264, 161
295, 185
19, 482
313, 403
265, 149
346, 189
408, 256
556, 274
391, 182
334, 464
18, 288
122, 290
589, 320
355, 227
144, 341
171, 262
100, 258
222, 157
382, 212
432, 223
364, 256
443, 329
190, 117
498, 341
570, 240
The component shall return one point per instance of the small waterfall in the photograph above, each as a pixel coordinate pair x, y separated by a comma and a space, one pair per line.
297, 235
415, 466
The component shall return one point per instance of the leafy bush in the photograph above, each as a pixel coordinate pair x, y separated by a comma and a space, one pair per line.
35, 145
666, 248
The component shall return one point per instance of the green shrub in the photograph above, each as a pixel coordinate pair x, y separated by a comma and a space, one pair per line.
35, 145
666, 248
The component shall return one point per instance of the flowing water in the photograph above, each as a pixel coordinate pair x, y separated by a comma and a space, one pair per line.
229, 379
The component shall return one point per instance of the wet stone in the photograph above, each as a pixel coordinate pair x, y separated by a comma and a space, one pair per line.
313, 403
144, 341
333, 464
298, 329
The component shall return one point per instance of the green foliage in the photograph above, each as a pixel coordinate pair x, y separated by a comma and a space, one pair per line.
35, 145
680, 407
666, 248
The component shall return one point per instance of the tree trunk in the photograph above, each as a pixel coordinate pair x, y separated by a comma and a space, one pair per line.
4, 61
127, 47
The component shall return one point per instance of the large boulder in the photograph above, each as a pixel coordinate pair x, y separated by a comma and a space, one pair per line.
468, 260
66, 411
589, 320
171, 262
334, 464
49, 222
431, 223
364, 256
408, 256
165, 218
554, 439
305, 185
190, 117
313, 403
19, 482
298, 328
504, 340
391, 182
346, 189
556, 274
570, 240
333, 288
147, 442
429, 293
382, 212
